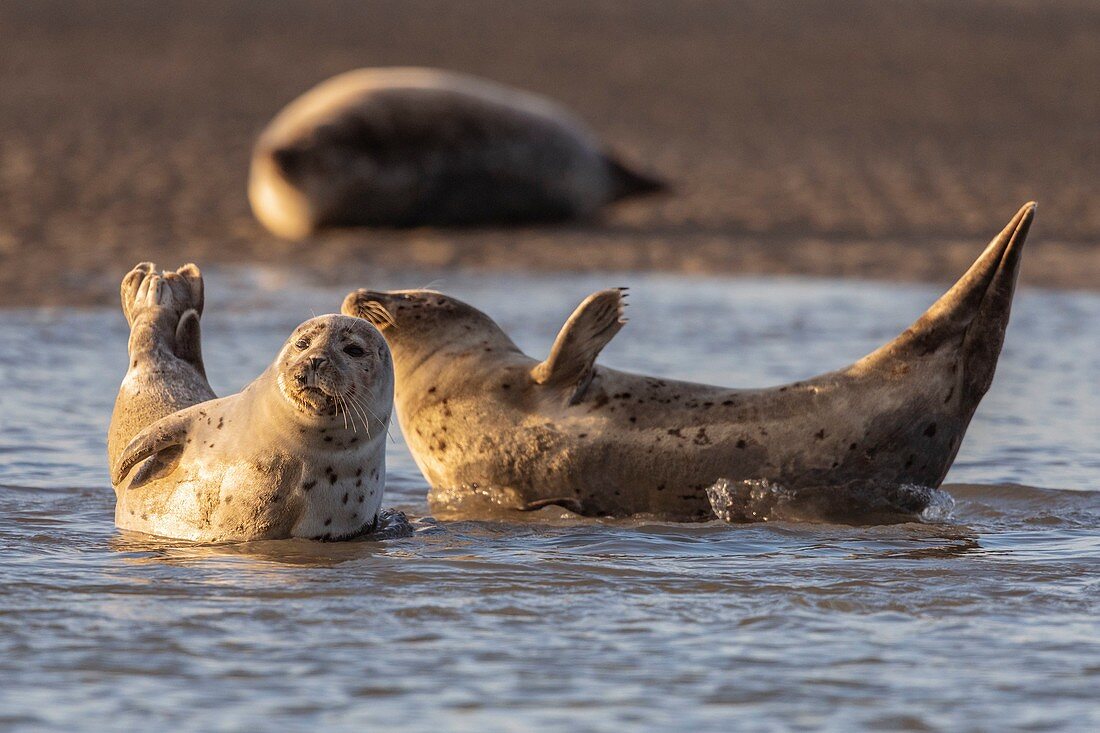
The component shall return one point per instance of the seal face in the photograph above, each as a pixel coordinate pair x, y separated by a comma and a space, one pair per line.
491, 427
409, 146
299, 452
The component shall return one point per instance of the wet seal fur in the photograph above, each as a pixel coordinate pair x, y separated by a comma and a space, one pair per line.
414, 146
299, 452
492, 427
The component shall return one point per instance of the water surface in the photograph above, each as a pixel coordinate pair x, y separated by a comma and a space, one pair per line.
986, 619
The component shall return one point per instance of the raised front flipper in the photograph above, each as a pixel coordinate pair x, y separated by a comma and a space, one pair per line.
164, 439
593, 324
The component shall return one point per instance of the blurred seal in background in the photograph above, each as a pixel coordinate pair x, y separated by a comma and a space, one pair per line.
413, 146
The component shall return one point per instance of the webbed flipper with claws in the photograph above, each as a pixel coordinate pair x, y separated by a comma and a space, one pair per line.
165, 370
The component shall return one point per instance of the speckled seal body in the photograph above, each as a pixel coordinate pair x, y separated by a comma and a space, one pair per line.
413, 146
299, 452
492, 427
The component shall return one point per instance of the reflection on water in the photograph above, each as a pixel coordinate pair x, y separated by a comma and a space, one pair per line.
143, 548
985, 616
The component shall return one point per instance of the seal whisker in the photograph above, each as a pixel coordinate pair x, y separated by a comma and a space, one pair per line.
361, 405
340, 401
355, 408
350, 413
382, 422
354, 404
345, 411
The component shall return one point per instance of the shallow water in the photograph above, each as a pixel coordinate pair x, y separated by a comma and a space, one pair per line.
986, 619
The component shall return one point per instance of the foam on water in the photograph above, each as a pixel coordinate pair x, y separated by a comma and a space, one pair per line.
941, 506
760, 500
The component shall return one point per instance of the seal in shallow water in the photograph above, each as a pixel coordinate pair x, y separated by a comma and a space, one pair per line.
299, 452
485, 420
410, 146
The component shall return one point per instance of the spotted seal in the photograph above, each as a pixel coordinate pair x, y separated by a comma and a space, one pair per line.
483, 419
299, 452
415, 146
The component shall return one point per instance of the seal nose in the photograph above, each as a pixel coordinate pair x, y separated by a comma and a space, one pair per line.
317, 362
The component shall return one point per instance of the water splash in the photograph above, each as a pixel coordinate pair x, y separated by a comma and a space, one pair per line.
860, 502
940, 507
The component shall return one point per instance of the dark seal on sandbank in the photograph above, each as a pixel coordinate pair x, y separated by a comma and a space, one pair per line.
411, 146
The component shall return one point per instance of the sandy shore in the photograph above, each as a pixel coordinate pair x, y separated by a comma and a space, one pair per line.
849, 139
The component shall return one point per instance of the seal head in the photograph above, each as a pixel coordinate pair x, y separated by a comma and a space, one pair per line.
327, 368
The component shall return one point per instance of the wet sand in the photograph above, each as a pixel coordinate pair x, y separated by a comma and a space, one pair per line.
846, 139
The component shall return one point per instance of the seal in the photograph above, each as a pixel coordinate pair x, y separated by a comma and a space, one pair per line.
416, 146
492, 427
299, 452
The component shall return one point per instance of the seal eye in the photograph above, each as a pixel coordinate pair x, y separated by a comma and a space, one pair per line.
302, 343
354, 350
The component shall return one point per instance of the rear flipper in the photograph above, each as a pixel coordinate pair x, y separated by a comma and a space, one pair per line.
165, 371
965, 328
627, 182
189, 341
163, 311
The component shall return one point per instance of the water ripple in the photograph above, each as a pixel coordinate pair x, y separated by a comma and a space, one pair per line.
981, 615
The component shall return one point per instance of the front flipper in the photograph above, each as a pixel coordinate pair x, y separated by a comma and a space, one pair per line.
593, 324
569, 503
165, 439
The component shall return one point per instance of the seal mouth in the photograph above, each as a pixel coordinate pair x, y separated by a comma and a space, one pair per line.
309, 398
314, 400
318, 393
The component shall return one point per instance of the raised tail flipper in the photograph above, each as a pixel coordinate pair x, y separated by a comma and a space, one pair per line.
969, 321
165, 370
163, 311
627, 182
